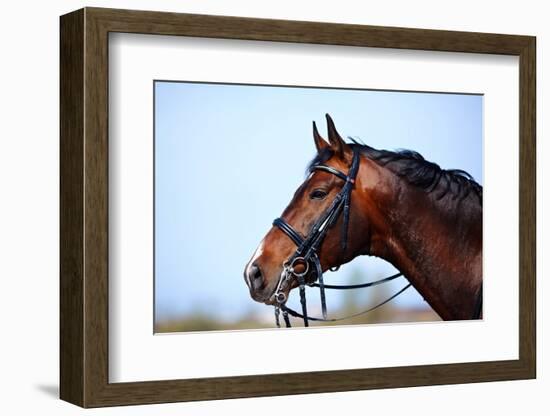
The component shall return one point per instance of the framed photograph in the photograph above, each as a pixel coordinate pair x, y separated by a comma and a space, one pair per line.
255, 207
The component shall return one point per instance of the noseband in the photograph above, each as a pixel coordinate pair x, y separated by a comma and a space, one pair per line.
306, 254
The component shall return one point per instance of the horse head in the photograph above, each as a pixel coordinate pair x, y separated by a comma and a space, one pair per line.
310, 209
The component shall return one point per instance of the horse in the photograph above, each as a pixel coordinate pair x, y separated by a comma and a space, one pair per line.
424, 220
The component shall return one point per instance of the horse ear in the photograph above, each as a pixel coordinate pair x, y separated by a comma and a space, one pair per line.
320, 143
336, 142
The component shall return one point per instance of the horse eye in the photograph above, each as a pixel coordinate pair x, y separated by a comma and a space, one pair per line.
318, 194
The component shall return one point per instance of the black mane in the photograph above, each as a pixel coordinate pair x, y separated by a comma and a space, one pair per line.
416, 170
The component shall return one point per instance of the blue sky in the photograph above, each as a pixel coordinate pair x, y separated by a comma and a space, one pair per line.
229, 157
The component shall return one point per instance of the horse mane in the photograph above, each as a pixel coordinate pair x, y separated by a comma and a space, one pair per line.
411, 166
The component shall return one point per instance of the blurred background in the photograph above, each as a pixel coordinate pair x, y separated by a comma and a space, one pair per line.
228, 159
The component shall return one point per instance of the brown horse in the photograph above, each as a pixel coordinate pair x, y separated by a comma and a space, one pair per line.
424, 220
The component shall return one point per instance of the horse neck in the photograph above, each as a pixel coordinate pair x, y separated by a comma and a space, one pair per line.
435, 245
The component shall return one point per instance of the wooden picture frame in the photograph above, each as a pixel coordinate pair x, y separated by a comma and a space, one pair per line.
84, 207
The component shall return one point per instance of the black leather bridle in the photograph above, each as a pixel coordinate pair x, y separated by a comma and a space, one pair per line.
306, 254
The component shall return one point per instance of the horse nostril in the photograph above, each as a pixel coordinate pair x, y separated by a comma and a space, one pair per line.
256, 278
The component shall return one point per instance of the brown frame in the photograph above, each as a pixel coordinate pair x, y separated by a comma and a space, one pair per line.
84, 209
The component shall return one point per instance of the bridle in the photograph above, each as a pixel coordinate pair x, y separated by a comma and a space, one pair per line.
306, 254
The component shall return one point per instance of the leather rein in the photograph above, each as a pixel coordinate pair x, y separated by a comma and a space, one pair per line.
306, 254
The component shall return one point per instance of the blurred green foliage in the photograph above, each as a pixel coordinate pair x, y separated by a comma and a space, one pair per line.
354, 302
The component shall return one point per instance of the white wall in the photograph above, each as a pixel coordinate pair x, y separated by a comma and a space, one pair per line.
29, 208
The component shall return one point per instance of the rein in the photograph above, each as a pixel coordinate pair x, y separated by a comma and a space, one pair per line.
306, 254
